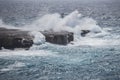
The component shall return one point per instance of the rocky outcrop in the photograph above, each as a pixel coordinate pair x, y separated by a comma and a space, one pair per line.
61, 38
84, 32
14, 38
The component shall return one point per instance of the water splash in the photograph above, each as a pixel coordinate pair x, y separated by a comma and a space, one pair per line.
73, 22
39, 38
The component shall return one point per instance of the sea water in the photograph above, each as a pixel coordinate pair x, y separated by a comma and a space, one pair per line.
94, 57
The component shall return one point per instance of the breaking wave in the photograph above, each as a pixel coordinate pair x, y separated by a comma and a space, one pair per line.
73, 22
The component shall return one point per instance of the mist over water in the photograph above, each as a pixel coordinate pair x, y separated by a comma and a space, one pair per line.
93, 57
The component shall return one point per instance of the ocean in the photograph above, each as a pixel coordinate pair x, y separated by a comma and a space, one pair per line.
93, 57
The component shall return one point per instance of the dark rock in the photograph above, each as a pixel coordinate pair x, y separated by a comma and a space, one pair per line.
63, 15
84, 32
13, 38
0, 43
62, 37
70, 36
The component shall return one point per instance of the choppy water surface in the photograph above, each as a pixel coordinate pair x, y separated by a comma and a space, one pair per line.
94, 57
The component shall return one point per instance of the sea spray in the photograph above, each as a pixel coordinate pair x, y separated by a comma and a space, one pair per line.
38, 40
74, 22
2, 24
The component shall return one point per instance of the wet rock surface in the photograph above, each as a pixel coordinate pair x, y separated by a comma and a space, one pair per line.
14, 38
84, 32
61, 38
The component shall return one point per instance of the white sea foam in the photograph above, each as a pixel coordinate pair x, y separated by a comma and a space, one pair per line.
14, 66
9, 53
95, 42
39, 38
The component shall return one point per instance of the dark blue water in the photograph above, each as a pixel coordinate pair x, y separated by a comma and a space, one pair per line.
55, 62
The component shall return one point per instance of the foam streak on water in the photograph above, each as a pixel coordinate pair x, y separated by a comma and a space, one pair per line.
14, 66
9, 53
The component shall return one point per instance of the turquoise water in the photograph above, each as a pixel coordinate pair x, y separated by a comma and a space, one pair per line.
62, 63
